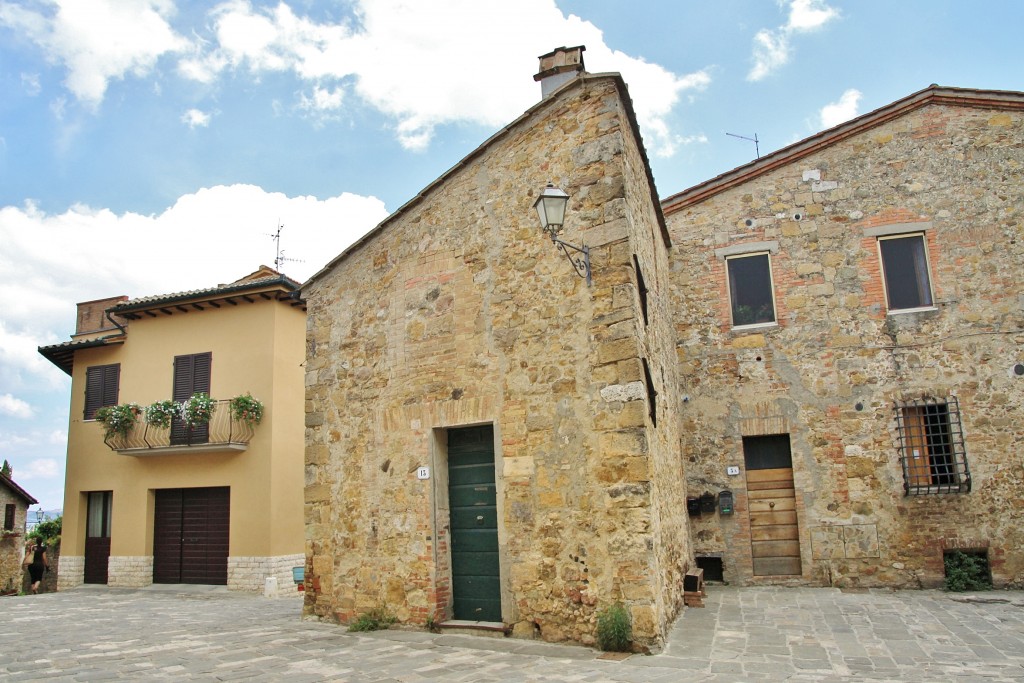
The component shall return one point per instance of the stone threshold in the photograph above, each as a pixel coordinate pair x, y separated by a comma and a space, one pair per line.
478, 628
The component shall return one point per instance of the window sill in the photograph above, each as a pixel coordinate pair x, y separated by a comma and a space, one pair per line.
755, 326
921, 309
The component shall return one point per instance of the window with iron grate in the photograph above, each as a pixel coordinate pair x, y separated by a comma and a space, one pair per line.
931, 446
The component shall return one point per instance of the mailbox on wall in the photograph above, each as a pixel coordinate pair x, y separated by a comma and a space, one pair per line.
725, 502
707, 502
693, 506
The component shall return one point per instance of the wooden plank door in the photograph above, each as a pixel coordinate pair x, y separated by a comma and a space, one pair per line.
190, 535
472, 500
97, 536
771, 502
204, 526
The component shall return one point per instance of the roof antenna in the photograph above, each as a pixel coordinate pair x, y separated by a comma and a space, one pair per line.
757, 149
280, 259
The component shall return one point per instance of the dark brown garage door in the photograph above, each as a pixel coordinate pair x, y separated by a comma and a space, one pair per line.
190, 537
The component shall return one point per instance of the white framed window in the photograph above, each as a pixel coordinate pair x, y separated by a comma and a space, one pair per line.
905, 272
751, 291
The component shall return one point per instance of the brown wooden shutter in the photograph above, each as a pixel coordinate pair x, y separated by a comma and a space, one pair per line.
191, 376
101, 388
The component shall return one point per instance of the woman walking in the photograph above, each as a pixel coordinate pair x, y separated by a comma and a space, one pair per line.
36, 562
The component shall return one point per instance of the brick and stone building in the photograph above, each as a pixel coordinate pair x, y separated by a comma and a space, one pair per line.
488, 438
215, 503
14, 502
849, 334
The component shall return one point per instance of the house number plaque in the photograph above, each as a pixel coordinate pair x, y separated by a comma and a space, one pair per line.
423, 473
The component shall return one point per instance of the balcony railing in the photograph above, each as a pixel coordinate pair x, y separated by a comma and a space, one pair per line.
223, 433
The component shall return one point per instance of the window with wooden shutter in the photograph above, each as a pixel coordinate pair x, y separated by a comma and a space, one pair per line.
101, 387
191, 376
9, 517
931, 445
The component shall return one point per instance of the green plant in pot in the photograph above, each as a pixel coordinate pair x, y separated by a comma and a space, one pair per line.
198, 410
247, 409
118, 420
161, 413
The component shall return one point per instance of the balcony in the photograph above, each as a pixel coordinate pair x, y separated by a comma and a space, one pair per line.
223, 433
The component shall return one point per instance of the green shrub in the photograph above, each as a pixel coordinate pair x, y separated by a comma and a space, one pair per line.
375, 620
48, 532
967, 572
614, 633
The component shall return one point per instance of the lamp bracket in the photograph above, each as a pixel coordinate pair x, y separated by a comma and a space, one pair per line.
581, 264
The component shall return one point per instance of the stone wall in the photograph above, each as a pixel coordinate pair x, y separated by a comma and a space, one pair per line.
126, 571
71, 572
830, 372
251, 573
12, 543
459, 311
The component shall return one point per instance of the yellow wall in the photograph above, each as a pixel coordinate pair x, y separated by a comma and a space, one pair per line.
256, 347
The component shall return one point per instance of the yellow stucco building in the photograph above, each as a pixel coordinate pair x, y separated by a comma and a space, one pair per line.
217, 502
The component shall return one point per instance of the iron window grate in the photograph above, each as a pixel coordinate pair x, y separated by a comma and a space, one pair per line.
931, 446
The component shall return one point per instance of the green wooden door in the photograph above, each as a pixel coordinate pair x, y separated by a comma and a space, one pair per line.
472, 499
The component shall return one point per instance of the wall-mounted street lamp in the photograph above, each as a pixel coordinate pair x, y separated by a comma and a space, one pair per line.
551, 209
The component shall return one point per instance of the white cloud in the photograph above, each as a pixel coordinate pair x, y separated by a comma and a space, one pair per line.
845, 109
772, 47
771, 51
98, 40
421, 64
808, 15
40, 468
195, 118
31, 84
105, 254
15, 407
428, 64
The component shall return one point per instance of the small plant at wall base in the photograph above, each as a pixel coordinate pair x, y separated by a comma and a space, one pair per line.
247, 409
198, 410
376, 619
614, 633
118, 420
161, 413
967, 572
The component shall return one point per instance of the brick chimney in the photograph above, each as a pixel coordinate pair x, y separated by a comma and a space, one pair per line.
558, 67
91, 316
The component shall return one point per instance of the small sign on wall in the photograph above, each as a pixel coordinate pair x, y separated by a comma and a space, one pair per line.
732, 470
423, 473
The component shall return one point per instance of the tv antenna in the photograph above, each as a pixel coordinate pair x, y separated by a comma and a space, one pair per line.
280, 259
757, 149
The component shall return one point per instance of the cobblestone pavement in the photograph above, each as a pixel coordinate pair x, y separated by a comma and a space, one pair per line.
95, 633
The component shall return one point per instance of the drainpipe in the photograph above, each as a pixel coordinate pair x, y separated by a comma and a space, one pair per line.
114, 322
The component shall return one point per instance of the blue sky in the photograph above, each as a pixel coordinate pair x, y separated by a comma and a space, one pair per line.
132, 129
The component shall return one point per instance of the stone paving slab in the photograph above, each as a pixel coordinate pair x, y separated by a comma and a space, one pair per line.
743, 634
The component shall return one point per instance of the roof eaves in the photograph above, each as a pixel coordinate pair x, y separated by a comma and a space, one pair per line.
143, 303
63, 355
17, 489
934, 94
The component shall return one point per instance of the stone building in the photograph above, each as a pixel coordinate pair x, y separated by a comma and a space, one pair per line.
217, 502
849, 334
15, 502
489, 438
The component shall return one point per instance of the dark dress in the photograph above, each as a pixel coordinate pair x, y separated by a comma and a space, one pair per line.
36, 568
